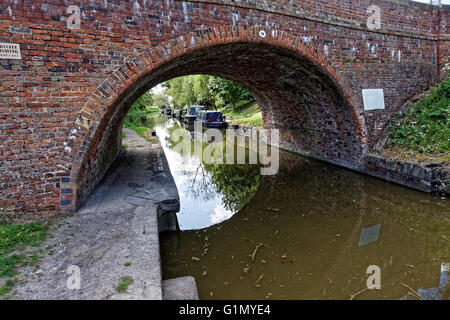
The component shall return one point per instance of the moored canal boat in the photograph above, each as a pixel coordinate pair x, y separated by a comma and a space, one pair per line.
212, 119
192, 114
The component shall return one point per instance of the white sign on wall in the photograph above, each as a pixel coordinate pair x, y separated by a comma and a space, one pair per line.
10, 51
373, 99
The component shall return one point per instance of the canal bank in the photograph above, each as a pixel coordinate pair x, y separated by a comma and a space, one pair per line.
113, 239
429, 177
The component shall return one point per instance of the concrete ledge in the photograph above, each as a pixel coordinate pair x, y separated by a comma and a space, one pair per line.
183, 288
146, 269
427, 177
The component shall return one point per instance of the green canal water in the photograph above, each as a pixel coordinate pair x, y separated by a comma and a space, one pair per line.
309, 232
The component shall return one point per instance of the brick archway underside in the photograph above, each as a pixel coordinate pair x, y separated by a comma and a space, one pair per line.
299, 93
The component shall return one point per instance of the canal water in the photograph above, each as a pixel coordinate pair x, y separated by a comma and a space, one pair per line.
313, 231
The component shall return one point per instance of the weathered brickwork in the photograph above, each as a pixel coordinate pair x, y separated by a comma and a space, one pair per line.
62, 105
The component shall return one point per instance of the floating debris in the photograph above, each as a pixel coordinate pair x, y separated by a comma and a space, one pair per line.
256, 250
259, 279
414, 292
353, 296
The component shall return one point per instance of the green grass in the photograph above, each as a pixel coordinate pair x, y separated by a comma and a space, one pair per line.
124, 284
18, 247
142, 122
14, 239
7, 287
142, 117
127, 264
252, 121
143, 132
425, 127
248, 114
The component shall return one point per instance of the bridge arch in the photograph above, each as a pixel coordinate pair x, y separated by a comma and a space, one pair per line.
299, 90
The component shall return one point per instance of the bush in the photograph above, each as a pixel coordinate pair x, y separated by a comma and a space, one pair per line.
425, 127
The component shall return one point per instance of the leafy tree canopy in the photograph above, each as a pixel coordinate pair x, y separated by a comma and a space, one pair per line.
210, 91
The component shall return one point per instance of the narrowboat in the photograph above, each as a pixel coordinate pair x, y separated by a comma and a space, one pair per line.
192, 114
212, 119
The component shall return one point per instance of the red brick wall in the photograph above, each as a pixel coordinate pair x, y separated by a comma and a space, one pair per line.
56, 122
444, 37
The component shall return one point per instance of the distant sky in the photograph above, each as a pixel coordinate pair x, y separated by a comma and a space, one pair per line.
434, 1
158, 89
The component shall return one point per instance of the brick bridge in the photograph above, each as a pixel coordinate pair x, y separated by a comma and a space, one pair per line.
306, 62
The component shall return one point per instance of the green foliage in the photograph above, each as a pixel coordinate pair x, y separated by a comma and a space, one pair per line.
245, 113
205, 96
14, 240
227, 91
209, 91
182, 91
161, 101
7, 287
143, 132
138, 115
144, 101
254, 120
425, 127
127, 264
125, 282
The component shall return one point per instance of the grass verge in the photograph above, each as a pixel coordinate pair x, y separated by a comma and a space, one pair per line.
144, 132
248, 115
19, 246
423, 132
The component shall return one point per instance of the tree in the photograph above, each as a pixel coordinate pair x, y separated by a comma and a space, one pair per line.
182, 91
203, 92
226, 91
144, 101
139, 110
209, 91
161, 100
